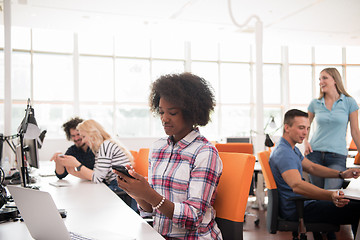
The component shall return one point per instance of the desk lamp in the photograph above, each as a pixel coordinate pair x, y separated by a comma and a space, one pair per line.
28, 129
271, 123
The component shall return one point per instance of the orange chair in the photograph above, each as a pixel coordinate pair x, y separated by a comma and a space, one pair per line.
233, 192
352, 146
142, 161
134, 154
273, 222
235, 147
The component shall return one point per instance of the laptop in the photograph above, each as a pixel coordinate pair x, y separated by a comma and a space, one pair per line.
40, 214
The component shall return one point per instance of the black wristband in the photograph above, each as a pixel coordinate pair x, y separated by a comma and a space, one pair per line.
340, 175
79, 167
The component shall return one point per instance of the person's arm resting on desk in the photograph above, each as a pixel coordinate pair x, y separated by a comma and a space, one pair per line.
74, 167
325, 172
293, 178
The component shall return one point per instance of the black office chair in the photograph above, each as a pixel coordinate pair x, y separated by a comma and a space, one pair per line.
274, 223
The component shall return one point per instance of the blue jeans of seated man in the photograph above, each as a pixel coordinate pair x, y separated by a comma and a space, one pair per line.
330, 160
122, 194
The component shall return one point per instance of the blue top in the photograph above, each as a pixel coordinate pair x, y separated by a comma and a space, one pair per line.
330, 132
86, 158
285, 158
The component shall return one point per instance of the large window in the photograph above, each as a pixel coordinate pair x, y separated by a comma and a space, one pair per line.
107, 78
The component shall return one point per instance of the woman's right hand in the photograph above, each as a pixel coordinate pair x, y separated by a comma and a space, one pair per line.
308, 148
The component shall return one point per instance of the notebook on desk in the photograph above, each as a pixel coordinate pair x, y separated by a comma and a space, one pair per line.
352, 193
40, 214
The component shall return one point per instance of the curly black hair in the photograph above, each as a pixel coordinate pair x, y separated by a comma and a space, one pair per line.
71, 124
191, 93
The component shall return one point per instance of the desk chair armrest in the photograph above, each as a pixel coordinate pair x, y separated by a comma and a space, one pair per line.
299, 201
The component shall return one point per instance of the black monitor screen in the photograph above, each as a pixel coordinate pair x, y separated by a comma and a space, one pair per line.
31, 152
238, 139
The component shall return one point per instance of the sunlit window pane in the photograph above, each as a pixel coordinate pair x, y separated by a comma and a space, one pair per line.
17, 115
235, 121
132, 121
2, 130
157, 128
204, 50
328, 55
210, 131
96, 79
235, 51
21, 76
300, 54
161, 67
52, 40
2, 77
353, 55
51, 117
272, 81
95, 43
271, 54
20, 38
208, 71
132, 47
353, 83
235, 83
168, 49
2, 36
53, 77
101, 113
300, 84
132, 80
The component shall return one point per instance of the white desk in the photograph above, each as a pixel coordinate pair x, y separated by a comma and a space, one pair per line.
92, 210
355, 184
350, 163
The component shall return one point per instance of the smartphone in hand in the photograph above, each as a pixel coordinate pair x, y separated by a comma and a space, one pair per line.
123, 170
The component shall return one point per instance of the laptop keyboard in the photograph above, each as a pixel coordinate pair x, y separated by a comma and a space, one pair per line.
76, 236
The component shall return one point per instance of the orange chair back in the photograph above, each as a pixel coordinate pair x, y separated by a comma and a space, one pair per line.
263, 158
142, 162
234, 185
352, 146
235, 147
357, 159
134, 154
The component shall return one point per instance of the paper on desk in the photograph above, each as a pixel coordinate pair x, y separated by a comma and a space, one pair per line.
352, 193
60, 183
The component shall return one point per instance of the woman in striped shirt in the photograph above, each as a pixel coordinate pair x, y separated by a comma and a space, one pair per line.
108, 153
184, 168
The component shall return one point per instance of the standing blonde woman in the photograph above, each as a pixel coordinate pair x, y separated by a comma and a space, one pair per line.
108, 153
331, 111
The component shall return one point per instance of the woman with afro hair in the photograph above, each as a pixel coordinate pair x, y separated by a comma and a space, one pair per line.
184, 168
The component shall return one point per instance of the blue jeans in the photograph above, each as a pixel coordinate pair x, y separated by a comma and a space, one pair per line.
123, 195
330, 160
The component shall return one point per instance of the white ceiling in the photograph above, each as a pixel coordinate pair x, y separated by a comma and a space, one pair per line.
329, 22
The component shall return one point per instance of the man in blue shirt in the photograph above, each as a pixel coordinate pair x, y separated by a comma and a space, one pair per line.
287, 164
79, 150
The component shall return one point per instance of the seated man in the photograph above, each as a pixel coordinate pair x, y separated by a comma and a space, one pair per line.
287, 164
79, 150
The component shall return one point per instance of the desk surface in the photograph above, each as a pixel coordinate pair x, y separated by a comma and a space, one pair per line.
92, 210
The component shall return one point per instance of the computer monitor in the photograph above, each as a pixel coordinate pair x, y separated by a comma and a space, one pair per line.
238, 139
32, 152
18, 150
